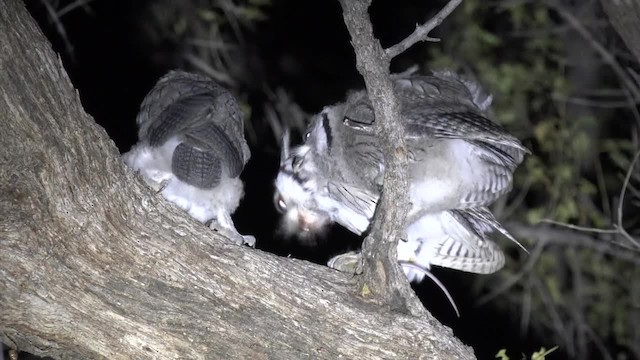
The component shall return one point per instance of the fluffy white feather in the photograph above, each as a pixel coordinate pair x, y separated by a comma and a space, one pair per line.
154, 164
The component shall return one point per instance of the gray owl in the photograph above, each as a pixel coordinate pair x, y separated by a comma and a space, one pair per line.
459, 163
191, 148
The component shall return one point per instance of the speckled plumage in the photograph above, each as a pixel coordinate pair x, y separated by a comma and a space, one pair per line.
460, 162
191, 147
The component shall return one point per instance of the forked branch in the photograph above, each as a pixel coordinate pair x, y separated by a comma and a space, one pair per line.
421, 33
381, 270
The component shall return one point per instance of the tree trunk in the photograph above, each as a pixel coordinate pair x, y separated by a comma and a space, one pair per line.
94, 265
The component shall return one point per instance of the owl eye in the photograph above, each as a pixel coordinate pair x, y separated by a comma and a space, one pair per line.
281, 205
306, 135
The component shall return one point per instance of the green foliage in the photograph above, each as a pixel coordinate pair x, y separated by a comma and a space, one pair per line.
538, 355
208, 13
518, 51
542, 353
515, 50
207, 36
207, 29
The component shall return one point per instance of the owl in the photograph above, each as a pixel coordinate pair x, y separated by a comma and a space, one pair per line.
460, 162
191, 148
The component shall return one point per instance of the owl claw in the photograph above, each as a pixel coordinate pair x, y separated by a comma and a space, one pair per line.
157, 185
163, 185
231, 233
350, 262
249, 240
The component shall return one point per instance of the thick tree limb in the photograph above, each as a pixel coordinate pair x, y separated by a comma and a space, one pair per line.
382, 273
94, 265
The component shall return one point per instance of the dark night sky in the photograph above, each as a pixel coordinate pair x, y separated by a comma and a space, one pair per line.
114, 68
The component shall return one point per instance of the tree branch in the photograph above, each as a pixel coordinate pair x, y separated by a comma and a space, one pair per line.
421, 33
382, 273
598, 242
94, 265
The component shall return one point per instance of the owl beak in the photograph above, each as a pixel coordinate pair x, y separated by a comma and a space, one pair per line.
309, 222
305, 223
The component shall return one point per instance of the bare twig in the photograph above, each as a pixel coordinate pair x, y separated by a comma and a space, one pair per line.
421, 33
281, 112
525, 318
564, 237
606, 355
551, 308
621, 201
519, 199
604, 104
513, 280
54, 17
618, 228
606, 56
602, 186
204, 67
74, 5
580, 228
577, 309
231, 13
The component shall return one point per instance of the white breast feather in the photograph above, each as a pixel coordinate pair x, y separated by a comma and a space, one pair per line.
417, 251
449, 171
154, 164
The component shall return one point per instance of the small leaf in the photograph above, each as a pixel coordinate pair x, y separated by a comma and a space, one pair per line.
502, 355
540, 355
535, 215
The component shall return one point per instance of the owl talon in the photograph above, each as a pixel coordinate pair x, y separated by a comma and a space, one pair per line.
157, 185
231, 234
249, 240
163, 185
350, 262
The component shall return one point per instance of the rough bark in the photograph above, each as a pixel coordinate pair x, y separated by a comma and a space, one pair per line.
94, 265
381, 271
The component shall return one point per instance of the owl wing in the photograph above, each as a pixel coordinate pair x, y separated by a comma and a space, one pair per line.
445, 107
458, 239
206, 121
426, 116
355, 206
498, 146
452, 254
